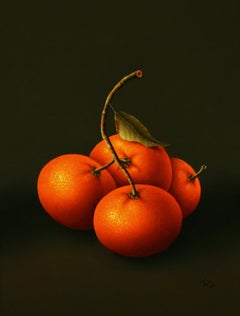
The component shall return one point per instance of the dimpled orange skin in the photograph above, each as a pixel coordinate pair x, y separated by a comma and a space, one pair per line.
149, 165
137, 227
69, 192
186, 192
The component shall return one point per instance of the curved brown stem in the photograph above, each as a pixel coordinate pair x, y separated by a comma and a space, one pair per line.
192, 177
96, 171
135, 74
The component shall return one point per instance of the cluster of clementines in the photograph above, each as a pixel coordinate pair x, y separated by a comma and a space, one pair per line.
76, 192
134, 218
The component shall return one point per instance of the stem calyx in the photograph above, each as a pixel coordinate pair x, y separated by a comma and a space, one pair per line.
97, 171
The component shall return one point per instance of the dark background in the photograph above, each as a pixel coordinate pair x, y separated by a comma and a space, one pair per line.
58, 65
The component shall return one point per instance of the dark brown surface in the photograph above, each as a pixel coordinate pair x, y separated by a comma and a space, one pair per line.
60, 64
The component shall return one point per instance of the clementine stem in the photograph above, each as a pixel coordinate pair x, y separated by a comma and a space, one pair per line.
97, 171
135, 74
192, 177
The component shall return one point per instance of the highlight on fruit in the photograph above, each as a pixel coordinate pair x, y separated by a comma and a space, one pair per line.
128, 189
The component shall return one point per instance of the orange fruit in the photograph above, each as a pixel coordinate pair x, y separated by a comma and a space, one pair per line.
185, 191
137, 227
69, 191
148, 165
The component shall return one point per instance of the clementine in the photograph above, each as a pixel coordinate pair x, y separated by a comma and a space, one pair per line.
69, 190
147, 165
137, 227
186, 191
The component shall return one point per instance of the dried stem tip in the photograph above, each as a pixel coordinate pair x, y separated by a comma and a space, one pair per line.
139, 73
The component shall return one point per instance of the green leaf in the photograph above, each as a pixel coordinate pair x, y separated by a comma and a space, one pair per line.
131, 129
